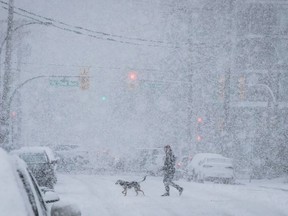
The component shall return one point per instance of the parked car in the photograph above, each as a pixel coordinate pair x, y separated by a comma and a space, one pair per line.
21, 195
181, 167
183, 162
211, 167
150, 160
42, 163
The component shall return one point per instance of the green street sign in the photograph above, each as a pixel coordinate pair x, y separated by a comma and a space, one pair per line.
64, 82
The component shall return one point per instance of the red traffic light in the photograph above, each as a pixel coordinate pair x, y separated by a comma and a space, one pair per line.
13, 114
199, 120
132, 76
199, 138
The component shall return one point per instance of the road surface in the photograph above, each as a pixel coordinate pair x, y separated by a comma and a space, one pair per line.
98, 195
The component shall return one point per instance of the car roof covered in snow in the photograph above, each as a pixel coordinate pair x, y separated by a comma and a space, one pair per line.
208, 155
11, 198
35, 149
202, 156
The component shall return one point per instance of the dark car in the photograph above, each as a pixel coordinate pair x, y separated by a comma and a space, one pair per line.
41, 162
20, 194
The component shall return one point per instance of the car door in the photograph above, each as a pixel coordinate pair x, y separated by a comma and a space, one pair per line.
32, 191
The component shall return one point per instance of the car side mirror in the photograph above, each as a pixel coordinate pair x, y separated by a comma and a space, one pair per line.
55, 161
50, 196
61, 208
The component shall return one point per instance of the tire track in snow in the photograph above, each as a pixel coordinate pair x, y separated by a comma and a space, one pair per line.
236, 195
94, 190
122, 204
103, 197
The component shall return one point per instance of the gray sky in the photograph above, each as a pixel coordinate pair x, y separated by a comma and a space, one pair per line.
138, 19
54, 115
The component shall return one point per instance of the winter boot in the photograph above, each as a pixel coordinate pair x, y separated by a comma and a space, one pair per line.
167, 191
165, 194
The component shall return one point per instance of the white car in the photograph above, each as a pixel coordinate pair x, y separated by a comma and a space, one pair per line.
211, 167
20, 194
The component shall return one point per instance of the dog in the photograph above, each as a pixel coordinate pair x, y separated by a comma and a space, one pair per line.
128, 185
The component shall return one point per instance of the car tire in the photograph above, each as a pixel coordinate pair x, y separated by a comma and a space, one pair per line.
54, 179
200, 178
228, 181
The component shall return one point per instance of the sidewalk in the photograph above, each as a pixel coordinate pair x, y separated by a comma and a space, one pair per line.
275, 184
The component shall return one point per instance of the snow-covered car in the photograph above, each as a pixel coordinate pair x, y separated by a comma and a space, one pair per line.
42, 163
72, 159
150, 160
20, 194
181, 166
183, 162
211, 167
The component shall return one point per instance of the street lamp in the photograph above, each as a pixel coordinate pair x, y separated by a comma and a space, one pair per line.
5, 111
16, 29
269, 90
252, 83
21, 26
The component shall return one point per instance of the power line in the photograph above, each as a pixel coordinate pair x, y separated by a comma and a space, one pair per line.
108, 37
90, 66
93, 31
74, 31
79, 30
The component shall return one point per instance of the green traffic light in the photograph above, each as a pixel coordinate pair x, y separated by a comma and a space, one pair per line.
104, 98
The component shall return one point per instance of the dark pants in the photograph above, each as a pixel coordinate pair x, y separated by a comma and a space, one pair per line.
168, 177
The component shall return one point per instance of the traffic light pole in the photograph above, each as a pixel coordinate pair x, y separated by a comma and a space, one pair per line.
6, 119
7, 78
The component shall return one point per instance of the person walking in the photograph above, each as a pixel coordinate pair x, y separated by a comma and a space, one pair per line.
169, 171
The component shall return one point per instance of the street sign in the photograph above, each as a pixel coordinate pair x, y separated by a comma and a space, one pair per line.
63, 82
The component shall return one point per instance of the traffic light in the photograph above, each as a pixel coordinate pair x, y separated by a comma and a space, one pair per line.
242, 87
132, 76
221, 86
84, 80
13, 114
198, 129
132, 79
221, 124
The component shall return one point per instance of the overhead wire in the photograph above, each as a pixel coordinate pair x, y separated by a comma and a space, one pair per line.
109, 37
93, 31
71, 30
86, 66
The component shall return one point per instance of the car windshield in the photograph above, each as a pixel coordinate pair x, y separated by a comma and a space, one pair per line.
32, 158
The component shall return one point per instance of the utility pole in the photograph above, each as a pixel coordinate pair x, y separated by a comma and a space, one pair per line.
7, 78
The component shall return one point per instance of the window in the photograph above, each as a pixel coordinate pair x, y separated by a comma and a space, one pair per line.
29, 192
39, 195
34, 157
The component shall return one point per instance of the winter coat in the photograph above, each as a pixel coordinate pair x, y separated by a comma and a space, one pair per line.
169, 164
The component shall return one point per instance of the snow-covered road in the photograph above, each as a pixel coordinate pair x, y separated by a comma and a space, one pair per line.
98, 195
